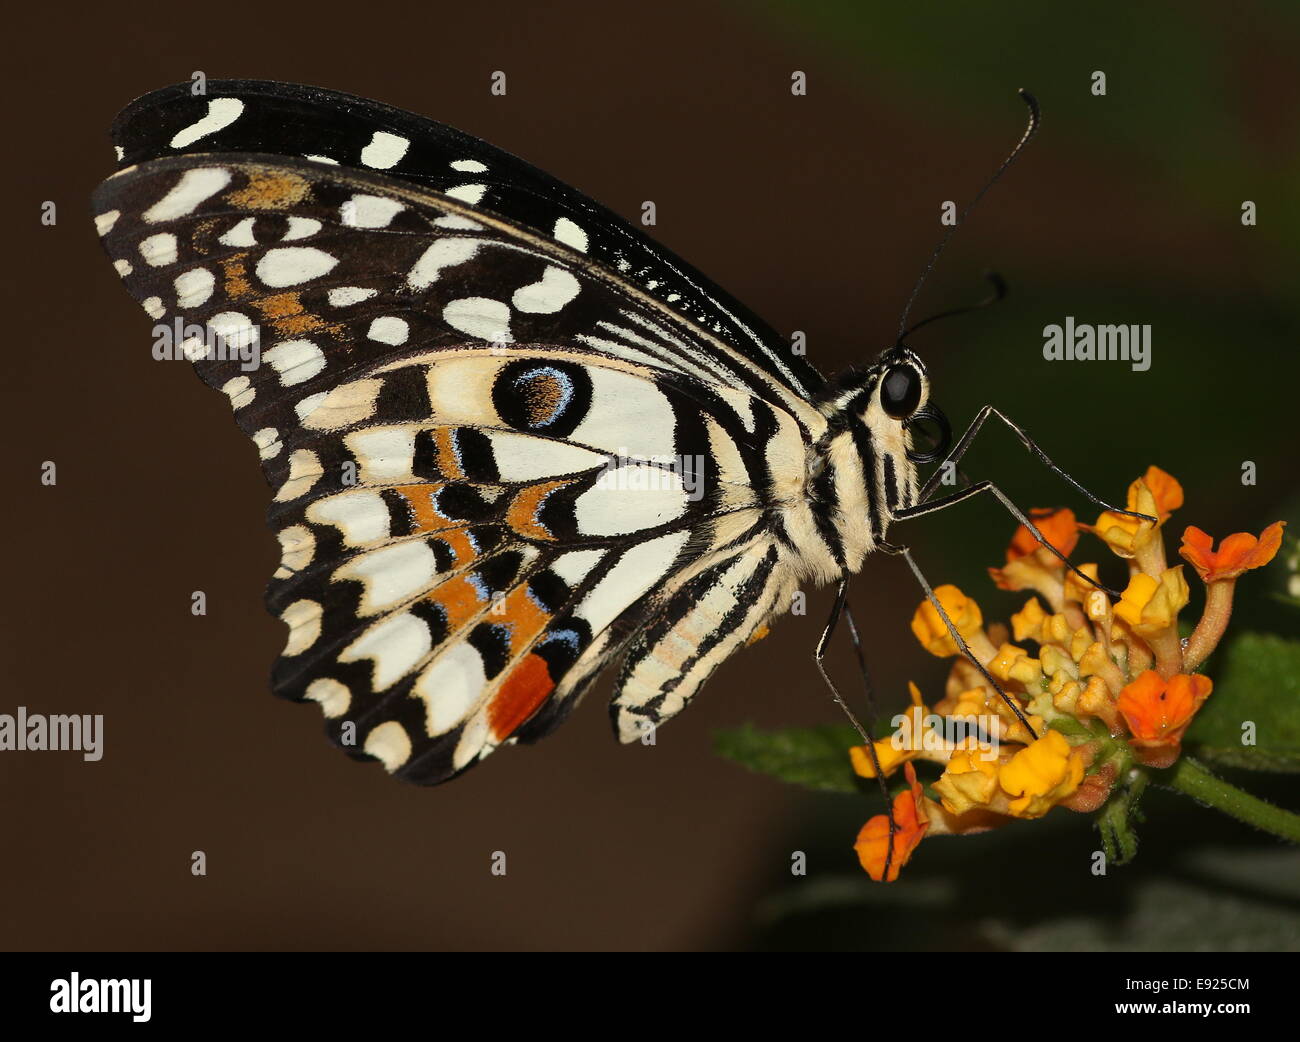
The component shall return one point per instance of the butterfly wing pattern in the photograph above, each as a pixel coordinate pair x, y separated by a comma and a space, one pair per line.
509, 438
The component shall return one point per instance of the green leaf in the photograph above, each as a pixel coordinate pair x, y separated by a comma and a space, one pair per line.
815, 757
1258, 682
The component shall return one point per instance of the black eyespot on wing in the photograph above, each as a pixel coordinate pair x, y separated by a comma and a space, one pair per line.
542, 397
900, 391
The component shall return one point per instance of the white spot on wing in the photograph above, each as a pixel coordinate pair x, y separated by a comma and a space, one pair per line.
556, 288
468, 166
629, 416
369, 211
389, 744
297, 547
576, 565
391, 574
268, 442
193, 187
471, 193
444, 253
334, 698
306, 406
388, 329
303, 620
193, 287
301, 228
342, 296
567, 232
524, 457
234, 328
384, 453
159, 250
221, 113
450, 687
296, 361
240, 235
479, 317
361, 517
293, 265
639, 569
240, 391
384, 150
304, 471
395, 645
629, 498
105, 221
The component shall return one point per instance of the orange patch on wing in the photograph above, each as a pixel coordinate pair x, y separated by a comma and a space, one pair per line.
525, 616
460, 600
236, 276
424, 516
446, 453
270, 190
522, 515
204, 233
458, 540
542, 397
285, 312
528, 685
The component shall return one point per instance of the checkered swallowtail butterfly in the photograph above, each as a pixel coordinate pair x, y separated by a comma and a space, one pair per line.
480, 401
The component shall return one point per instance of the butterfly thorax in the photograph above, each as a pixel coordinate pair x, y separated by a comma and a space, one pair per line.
860, 471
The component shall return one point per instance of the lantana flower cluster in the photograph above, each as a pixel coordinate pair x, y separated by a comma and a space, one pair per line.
1101, 685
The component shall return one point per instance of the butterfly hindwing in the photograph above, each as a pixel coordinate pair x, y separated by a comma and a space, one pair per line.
694, 632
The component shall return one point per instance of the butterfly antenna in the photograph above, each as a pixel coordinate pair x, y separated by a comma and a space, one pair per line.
1035, 118
999, 292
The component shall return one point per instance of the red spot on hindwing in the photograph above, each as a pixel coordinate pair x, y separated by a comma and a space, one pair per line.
523, 691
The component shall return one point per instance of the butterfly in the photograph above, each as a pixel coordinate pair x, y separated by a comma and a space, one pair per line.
511, 440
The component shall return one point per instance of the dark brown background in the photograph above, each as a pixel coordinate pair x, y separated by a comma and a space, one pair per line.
818, 211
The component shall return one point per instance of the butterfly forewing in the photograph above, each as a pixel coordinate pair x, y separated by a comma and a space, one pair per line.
249, 116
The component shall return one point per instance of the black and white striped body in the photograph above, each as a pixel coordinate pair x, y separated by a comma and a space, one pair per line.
825, 515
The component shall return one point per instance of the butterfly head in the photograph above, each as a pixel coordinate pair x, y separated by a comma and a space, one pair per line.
891, 398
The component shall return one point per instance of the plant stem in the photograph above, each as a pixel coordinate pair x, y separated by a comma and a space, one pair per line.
1192, 779
1214, 620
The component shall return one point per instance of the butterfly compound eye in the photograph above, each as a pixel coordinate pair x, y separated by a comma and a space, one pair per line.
900, 391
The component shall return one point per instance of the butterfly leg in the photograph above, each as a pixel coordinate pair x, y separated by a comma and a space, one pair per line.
855, 638
964, 443
840, 607
952, 499
905, 552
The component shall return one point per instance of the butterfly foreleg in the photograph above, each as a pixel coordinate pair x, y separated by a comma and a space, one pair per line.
964, 443
960, 496
905, 552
